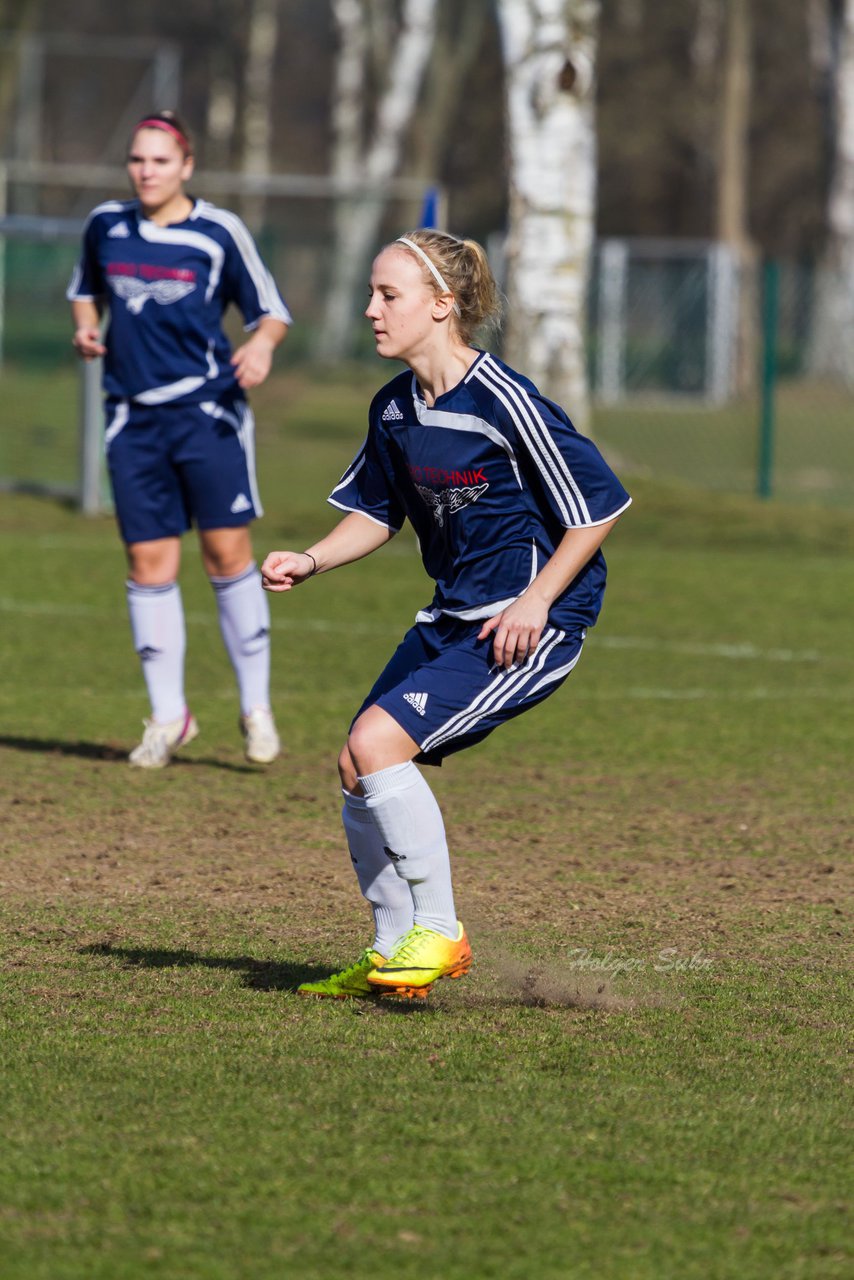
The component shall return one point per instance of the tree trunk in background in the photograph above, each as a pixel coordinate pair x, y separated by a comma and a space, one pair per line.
348, 119
458, 40
732, 186
358, 219
550, 56
17, 22
833, 339
258, 96
705, 64
221, 112
348, 106
734, 121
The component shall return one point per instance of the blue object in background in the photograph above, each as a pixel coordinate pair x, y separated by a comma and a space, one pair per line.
430, 208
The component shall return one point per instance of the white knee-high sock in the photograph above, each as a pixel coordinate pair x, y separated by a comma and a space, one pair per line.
159, 637
410, 823
244, 620
388, 895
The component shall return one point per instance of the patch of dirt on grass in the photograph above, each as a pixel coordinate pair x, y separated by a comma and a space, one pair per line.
585, 885
559, 984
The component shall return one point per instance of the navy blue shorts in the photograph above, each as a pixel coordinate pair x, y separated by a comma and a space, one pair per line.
174, 465
443, 688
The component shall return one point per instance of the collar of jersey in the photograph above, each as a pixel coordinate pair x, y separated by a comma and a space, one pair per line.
191, 216
421, 404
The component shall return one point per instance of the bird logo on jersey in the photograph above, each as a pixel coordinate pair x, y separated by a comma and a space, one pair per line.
135, 293
449, 501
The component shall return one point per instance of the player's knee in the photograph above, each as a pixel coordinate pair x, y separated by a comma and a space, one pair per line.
347, 771
361, 748
153, 564
220, 564
378, 742
366, 747
226, 553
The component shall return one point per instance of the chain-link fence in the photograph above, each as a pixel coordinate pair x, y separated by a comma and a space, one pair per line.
40, 386
728, 374
703, 370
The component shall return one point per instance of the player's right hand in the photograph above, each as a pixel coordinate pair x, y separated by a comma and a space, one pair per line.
87, 342
282, 570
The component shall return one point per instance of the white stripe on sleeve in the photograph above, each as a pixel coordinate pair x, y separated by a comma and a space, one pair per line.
539, 441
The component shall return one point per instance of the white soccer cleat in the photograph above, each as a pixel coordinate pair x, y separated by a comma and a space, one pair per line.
160, 740
262, 740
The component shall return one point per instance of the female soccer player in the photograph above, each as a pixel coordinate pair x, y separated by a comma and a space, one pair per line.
510, 505
180, 435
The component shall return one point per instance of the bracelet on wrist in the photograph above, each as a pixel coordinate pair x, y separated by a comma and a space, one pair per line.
313, 564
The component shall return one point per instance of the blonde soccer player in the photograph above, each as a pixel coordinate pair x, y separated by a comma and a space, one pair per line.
511, 506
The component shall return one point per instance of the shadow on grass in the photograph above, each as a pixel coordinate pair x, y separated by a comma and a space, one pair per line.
54, 746
112, 754
258, 975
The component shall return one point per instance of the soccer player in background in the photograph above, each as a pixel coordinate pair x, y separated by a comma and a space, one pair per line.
180, 434
510, 505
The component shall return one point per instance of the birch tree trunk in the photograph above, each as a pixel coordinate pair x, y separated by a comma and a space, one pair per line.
732, 226
221, 114
349, 107
258, 98
833, 340
358, 221
550, 57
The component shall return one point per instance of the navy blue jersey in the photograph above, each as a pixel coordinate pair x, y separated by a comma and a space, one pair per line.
490, 477
167, 289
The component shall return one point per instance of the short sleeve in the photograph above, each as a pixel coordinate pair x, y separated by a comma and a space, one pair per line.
367, 486
87, 279
571, 476
247, 281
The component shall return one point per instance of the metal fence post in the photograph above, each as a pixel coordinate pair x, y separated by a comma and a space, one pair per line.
721, 321
770, 317
613, 281
91, 438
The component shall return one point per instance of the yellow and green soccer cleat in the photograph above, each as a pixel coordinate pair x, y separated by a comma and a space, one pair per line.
420, 959
350, 983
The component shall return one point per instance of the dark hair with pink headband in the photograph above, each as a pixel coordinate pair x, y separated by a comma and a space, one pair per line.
169, 123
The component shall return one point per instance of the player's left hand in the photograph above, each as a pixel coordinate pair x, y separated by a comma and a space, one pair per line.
517, 630
252, 362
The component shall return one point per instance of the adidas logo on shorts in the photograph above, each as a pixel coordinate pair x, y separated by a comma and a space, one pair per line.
391, 413
241, 503
418, 701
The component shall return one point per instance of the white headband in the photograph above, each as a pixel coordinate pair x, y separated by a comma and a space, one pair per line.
431, 267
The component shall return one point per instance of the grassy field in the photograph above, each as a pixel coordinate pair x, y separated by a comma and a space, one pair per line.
642, 1077
718, 448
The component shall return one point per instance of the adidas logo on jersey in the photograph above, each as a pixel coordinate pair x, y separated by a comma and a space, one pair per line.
120, 231
241, 503
391, 413
418, 701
